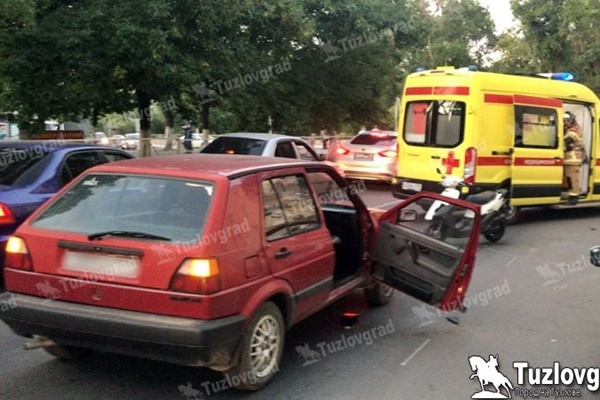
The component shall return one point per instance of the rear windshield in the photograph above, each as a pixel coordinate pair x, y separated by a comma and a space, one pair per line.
170, 208
236, 145
21, 167
374, 139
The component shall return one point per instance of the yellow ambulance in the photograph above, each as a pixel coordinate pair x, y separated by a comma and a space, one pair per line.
496, 131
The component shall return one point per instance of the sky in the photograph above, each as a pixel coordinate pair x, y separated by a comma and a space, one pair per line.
500, 12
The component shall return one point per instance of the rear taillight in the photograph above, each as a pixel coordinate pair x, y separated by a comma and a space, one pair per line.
17, 254
470, 164
340, 151
388, 153
198, 276
6, 216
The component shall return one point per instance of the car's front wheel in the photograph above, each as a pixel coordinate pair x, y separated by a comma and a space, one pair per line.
261, 349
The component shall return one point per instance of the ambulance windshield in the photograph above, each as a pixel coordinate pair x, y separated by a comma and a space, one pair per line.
438, 123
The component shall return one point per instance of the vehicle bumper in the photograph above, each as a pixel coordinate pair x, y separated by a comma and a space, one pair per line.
368, 172
176, 340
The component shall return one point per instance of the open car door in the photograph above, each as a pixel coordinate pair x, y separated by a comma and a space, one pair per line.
431, 260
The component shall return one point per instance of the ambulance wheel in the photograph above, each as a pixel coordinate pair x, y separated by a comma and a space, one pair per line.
260, 351
513, 214
495, 231
379, 295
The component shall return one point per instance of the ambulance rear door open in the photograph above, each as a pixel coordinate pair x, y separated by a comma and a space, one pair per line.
537, 159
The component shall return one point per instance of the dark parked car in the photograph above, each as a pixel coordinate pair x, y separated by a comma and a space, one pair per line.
208, 260
32, 171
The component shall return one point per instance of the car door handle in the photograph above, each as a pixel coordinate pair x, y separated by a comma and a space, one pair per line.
502, 153
436, 157
283, 252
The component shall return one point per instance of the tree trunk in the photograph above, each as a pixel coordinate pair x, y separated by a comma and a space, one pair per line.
205, 118
145, 146
169, 123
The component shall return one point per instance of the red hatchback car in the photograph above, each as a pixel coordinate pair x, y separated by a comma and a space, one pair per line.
208, 260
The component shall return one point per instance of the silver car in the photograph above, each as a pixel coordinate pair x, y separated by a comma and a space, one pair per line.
262, 144
369, 155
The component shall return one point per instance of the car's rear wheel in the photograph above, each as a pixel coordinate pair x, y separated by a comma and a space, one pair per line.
379, 295
261, 349
66, 352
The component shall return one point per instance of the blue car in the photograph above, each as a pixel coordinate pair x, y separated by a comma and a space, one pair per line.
32, 171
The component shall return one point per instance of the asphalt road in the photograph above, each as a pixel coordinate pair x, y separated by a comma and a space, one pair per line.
534, 297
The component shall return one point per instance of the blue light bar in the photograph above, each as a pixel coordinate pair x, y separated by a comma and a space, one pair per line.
559, 76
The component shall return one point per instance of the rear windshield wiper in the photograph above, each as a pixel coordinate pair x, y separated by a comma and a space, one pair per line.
137, 235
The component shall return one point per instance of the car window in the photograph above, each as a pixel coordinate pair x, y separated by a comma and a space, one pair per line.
112, 157
304, 152
170, 208
285, 149
329, 192
78, 162
289, 207
21, 167
374, 139
236, 145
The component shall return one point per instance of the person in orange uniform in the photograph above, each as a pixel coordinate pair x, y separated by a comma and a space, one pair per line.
574, 156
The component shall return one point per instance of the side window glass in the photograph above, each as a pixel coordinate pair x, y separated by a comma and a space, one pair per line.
304, 152
330, 193
288, 206
536, 127
76, 163
112, 157
286, 150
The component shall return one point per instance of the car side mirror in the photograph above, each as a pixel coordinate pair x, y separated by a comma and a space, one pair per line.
595, 256
322, 157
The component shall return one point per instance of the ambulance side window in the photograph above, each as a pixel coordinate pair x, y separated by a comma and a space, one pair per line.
536, 127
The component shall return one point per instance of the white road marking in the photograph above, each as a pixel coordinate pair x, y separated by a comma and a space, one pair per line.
414, 353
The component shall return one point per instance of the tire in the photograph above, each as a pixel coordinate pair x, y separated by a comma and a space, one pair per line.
495, 231
260, 351
513, 214
379, 295
66, 352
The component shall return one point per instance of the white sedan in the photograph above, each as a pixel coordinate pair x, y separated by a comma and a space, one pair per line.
262, 144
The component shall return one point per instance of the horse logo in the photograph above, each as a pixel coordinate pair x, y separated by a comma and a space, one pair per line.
189, 392
333, 52
310, 356
426, 316
205, 94
549, 274
47, 290
487, 373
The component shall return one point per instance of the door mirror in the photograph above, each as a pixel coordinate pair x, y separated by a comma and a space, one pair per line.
595, 256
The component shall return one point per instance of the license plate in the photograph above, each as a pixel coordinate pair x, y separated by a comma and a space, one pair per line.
104, 266
363, 156
416, 187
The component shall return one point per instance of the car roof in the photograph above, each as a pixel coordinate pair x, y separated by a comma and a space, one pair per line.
258, 136
50, 146
203, 166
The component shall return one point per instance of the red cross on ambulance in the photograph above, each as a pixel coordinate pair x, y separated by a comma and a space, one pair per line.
450, 162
